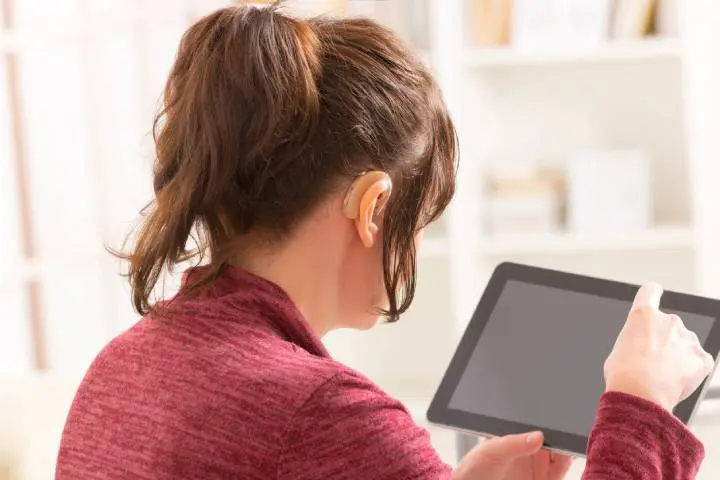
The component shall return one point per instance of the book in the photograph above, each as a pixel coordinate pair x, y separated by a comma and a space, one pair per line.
667, 22
632, 18
560, 24
491, 22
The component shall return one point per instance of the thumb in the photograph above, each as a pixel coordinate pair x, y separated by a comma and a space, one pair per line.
494, 457
513, 447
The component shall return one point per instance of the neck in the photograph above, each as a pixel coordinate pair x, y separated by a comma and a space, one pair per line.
306, 268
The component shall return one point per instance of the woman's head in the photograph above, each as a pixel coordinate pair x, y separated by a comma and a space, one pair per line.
271, 122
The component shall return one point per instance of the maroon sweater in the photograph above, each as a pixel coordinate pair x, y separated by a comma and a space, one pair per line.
236, 385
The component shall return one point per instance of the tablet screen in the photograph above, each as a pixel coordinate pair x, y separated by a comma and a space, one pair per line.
524, 367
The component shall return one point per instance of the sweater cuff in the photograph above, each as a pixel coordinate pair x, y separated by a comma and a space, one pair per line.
650, 423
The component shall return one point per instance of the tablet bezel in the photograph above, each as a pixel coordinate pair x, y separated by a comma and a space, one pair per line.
439, 412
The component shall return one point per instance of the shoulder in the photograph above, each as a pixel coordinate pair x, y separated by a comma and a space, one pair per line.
251, 368
294, 372
348, 393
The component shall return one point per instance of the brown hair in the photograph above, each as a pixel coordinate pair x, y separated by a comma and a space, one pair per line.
264, 114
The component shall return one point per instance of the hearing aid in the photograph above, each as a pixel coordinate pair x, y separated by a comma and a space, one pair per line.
368, 193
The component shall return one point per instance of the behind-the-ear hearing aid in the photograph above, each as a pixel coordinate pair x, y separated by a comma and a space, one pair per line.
368, 193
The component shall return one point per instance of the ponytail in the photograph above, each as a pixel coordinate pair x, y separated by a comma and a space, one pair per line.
243, 83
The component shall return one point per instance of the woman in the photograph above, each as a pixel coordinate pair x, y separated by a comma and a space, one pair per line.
305, 158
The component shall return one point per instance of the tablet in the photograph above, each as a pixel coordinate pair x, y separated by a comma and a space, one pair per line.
533, 353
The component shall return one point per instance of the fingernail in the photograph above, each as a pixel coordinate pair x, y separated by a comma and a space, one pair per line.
534, 437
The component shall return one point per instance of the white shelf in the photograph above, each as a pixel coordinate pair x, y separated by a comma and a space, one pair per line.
36, 269
646, 49
433, 247
88, 27
660, 238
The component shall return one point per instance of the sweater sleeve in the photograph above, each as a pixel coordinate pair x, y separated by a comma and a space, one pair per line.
350, 429
634, 439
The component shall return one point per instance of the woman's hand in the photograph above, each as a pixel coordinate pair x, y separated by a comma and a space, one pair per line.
513, 457
655, 357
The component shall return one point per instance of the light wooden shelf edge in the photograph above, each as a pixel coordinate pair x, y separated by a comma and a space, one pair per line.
643, 49
661, 238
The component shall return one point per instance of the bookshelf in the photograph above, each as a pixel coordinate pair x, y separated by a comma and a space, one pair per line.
619, 51
653, 239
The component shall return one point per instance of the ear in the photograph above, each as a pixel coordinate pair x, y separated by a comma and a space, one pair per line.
365, 201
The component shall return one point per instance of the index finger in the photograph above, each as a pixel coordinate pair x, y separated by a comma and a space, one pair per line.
648, 296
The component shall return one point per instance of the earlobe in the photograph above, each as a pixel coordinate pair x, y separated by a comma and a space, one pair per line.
367, 232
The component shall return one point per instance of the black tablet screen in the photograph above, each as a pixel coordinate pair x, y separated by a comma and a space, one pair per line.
526, 369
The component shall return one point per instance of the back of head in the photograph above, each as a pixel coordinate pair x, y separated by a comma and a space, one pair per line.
265, 114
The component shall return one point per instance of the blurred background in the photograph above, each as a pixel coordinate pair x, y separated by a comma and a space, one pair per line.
589, 137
